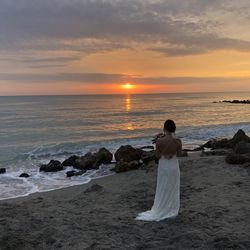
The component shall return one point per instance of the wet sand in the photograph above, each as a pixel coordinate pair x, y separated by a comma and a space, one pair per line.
214, 213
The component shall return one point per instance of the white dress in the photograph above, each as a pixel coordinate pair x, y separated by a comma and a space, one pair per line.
167, 196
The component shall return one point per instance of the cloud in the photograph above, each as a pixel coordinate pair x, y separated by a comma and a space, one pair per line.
174, 28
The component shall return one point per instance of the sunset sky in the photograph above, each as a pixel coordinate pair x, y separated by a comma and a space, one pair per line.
123, 46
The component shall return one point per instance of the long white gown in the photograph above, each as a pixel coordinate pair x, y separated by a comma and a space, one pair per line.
167, 196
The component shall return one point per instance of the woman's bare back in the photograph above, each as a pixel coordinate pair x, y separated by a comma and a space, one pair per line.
167, 146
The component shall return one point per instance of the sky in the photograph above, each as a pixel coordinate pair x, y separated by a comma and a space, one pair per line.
123, 46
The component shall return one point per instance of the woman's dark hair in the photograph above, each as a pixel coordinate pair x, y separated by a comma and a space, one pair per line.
170, 126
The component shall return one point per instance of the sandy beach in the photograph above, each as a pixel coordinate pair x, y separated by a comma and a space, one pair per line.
214, 212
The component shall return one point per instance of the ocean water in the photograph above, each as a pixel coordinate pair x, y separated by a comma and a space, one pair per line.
36, 129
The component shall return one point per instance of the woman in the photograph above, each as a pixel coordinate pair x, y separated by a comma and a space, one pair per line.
167, 196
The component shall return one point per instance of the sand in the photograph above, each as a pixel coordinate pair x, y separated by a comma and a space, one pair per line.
214, 213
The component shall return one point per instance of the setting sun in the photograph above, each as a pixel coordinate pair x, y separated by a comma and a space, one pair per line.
128, 86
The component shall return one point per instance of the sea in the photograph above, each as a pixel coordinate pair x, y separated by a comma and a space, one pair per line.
37, 129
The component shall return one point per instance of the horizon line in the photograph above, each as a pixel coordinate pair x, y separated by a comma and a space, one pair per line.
125, 94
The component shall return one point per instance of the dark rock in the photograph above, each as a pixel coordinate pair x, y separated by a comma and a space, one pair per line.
238, 137
70, 161
122, 166
242, 147
127, 154
150, 165
93, 161
84, 162
227, 143
2, 170
147, 147
24, 175
237, 101
75, 173
70, 173
52, 166
148, 156
103, 156
237, 158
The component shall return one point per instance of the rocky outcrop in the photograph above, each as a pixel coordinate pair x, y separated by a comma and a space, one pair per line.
242, 147
70, 161
227, 143
234, 158
52, 166
2, 170
103, 156
75, 173
127, 154
239, 137
148, 156
24, 175
237, 101
93, 160
122, 166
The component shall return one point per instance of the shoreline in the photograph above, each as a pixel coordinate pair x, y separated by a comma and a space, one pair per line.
101, 214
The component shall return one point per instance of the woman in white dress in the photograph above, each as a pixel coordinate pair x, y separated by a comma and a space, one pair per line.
167, 196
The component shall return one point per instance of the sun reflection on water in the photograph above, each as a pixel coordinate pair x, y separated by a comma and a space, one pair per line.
128, 107
128, 103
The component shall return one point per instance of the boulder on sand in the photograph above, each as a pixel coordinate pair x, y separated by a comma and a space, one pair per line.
148, 156
93, 160
122, 166
242, 147
127, 154
238, 137
227, 143
52, 166
234, 158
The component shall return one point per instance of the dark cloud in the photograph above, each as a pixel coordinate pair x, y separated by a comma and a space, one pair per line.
181, 27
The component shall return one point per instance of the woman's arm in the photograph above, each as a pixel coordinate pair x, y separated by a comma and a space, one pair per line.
157, 150
179, 145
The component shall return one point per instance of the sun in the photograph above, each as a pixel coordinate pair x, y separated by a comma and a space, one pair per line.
128, 86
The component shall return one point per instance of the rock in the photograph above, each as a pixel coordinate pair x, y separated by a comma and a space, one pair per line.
217, 144
238, 137
52, 166
70, 173
70, 161
84, 162
237, 101
75, 173
2, 170
242, 147
127, 154
147, 147
103, 156
93, 161
150, 165
234, 158
227, 143
122, 166
24, 175
148, 156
